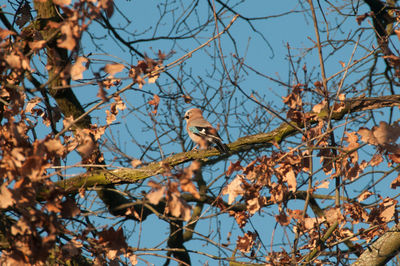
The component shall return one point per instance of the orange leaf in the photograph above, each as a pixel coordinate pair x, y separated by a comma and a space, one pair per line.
78, 68
364, 196
113, 69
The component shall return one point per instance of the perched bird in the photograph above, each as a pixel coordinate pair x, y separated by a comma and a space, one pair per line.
202, 132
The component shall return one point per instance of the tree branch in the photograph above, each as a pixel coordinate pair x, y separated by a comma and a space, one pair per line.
128, 175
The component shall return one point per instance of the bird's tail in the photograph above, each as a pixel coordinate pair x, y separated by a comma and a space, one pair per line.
221, 147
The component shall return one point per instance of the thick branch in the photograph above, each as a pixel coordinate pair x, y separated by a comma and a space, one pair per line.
127, 175
383, 249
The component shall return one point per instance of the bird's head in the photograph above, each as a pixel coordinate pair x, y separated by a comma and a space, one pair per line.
193, 113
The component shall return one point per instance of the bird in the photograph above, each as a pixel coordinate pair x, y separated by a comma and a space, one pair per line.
202, 132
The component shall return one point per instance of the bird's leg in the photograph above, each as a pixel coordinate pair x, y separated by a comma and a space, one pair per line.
195, 147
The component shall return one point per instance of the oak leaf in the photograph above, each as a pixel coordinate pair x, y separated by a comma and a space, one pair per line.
78, 68
234, 189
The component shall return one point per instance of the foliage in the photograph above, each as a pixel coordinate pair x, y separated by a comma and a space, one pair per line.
312, 172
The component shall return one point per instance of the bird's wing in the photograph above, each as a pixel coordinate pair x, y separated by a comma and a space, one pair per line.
207, 132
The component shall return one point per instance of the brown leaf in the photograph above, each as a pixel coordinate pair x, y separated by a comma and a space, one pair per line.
69, 208
108, 6
37, 45
155, 196
86, 144
32, 103
54, 146
311, 223
68, 41
324, 184
283, 219
187, 184
132, 258
381, 135
319, 107
233, 167
290, 178
113, 69
352, 138
17, 62
62, 2
295, 214
78, 68
23, 15
155, 102
154, 75
178, 207
240, 217
6, 197
110, 117
364, 196
390, 207
72, 248
114, 242
21, 227
102, 94
395, 183
234, 189
254, 204
333, 214
246, 243
5, 33
376, 159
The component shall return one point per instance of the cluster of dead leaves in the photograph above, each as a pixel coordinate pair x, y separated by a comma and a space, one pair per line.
384, 137
377, 216
13, 62
175, 204
147, 68
275, 175
111, 244
33, 225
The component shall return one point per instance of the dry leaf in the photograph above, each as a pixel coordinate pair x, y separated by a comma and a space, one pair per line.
5, 33
78, 68
62, 2
17, 62
234, 189
283, 219
390, 207
54, 146
381, 135
155, 102
108, 6
37, 45
6, 197
364, 196
324, 184
155, 196
32, 103
395, 183
69, 41
246, 243
113, 69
